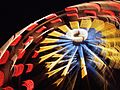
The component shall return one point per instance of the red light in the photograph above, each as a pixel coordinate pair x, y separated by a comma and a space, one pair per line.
71, 9
56, 20
30, 38
108, 12
1, 78
21, 52
35, 54
51, 16
30, 68
41, 29
4, 58
32, 27
18, 70
90, 12
8, 88
29, 84
16, 41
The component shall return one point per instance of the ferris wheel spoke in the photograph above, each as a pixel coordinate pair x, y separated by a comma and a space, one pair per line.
86, 23
48, 47
64, 28
58, 60
52, 40
43, 58
74, 24
97, 60
82, 62
98, 24
56, 34
69, 63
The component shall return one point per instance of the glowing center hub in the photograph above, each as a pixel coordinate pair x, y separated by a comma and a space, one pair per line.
77, 35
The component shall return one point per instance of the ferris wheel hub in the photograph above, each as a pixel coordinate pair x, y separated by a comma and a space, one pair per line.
77, 35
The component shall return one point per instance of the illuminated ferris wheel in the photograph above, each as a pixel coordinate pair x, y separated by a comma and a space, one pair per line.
62, 49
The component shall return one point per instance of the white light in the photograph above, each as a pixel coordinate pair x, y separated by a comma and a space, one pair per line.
77, 35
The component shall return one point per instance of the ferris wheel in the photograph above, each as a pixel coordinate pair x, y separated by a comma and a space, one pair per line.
62, 49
